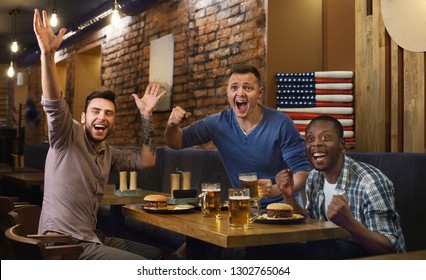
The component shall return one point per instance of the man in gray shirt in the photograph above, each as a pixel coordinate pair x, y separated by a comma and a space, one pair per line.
79, 160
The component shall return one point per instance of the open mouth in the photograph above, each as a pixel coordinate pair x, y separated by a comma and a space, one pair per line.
241, 105
99, 127
318, 155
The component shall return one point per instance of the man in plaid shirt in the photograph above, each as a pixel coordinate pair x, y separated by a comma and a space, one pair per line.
354, 195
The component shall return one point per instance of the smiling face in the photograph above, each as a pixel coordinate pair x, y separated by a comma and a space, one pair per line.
324, 148
243, 93
98, 119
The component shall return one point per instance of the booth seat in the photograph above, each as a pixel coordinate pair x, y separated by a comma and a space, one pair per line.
408, 174
204, 165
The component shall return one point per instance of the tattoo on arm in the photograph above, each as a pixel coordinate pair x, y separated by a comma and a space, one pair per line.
148, 135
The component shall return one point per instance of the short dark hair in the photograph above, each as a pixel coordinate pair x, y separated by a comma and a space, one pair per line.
102, 93
337, 125
244, 69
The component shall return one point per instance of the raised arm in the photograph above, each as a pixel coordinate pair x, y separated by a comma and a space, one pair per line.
173, 133
300, 180
146, 106
269, 190
285, 183
49, 44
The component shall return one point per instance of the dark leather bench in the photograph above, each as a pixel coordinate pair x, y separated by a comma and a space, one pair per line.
408, 174
205, 166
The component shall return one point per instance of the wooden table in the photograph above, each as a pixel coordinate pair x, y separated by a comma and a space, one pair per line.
28, 184
110, 198
8, 169
116, 219
5, 169
200, 230
27, 179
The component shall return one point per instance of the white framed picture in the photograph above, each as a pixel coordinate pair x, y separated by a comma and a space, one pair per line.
161, 68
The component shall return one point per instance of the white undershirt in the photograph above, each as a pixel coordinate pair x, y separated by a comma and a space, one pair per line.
246, 133
329, 190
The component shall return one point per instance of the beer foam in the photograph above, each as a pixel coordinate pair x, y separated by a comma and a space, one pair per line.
210, 190
239, 197
248, 178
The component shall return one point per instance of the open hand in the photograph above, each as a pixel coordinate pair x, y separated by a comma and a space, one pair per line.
149, 100
47, 40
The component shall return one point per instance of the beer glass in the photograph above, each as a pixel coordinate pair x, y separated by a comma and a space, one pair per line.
241, 209
210, 200
249, 180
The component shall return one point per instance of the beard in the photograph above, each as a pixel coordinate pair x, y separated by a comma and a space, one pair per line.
91, 134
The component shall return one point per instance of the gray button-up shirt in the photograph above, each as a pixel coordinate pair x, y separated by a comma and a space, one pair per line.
75, 175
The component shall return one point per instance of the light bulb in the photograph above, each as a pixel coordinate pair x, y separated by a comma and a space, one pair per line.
54, 19
115, 18
14, 46
10, 71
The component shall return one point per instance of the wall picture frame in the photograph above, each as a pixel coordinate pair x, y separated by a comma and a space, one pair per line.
161, 69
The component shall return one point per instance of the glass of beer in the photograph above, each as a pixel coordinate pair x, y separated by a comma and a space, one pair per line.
241, 210
249, 180
210, 200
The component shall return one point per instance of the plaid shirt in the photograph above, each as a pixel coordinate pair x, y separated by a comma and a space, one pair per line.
370, 195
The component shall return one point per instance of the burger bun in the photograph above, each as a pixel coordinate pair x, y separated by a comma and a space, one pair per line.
279, 206
155, 201
279, 211
155, 197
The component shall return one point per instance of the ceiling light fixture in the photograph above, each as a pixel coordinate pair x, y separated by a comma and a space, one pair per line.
11, 70
14, 46
54, 16
115, 18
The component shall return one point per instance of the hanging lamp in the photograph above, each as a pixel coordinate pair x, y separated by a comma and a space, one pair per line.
115, 17
54, 16
14, 46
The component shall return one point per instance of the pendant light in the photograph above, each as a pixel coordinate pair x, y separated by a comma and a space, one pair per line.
14, 46
115, 17
54, 16
11, 70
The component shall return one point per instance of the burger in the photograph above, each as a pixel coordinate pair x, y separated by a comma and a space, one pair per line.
279, 211
155, 201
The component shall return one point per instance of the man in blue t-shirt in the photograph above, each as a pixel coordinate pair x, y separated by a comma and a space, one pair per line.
249, 137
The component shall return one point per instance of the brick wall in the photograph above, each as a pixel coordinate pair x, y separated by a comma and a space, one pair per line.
209, 37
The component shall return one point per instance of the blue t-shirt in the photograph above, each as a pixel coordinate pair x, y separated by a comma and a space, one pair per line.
273, 145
